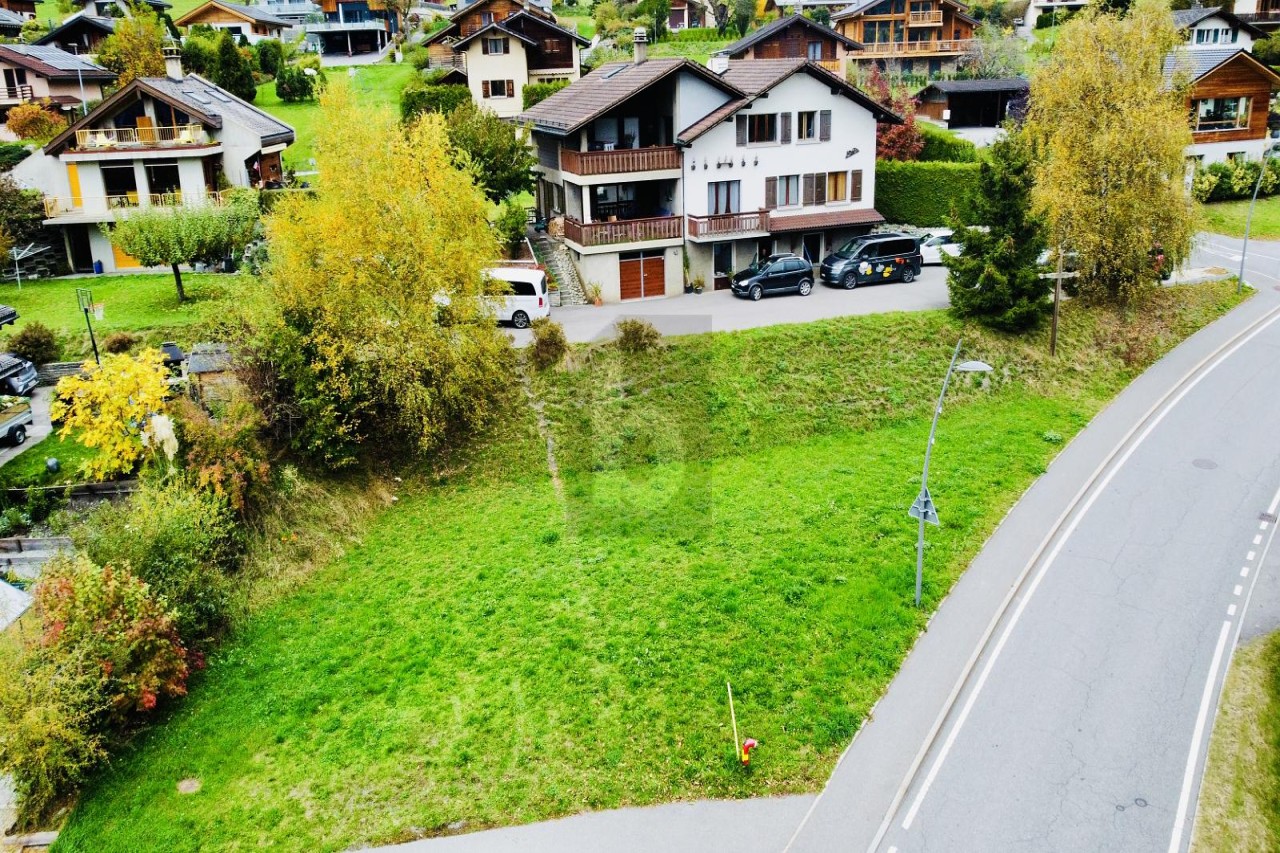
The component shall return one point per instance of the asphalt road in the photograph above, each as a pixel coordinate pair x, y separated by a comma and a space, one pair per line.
1084, 724
1262, 260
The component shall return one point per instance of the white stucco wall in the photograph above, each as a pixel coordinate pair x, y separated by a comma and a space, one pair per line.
1216, 152
246, 30
507, 66
1244, 41
695, 98
602, 269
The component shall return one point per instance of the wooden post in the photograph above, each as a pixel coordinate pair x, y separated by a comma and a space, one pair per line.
734, 719
1057, 297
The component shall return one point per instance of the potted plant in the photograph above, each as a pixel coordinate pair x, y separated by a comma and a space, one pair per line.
698, 283
594, 295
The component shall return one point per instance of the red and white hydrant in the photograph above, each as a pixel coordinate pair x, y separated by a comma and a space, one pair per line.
748, 745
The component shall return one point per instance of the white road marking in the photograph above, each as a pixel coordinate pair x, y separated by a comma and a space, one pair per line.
1239, 589
1206, 703
1262, 526
1244, 573
1231, 610
1251, 555
1257, 540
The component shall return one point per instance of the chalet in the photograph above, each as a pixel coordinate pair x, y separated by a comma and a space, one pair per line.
116, 8
11, 24
1214, 26
1263, 14
972, 103
643, 163
354, 26
252, 22
23, 8
40, 72
925, 37
502, 46
156, 142
80, 34
791, 37
689, 13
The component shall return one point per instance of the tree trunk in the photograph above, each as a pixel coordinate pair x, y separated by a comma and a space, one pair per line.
177, 279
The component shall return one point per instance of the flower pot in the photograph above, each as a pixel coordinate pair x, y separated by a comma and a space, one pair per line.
697, 289
598, 302
688, 288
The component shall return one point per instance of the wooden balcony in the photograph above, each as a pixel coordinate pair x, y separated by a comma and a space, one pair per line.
925, 19
729, 225
623, 231
623, 160
836, 66
16, 93
141, 137
917, 48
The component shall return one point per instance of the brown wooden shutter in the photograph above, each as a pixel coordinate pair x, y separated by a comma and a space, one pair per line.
786, 128
820, 188
742, 131
807, 189
484, 46
484, 89
511, 88
824, 125
770, 193
855, 185
506, 45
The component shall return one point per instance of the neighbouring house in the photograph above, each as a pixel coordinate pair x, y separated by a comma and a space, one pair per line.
24, 8
689, 13
1263, 14
1052, 10
925, 37
80, 34
972, 103
642, 163
1214, 26
502, 46
11, 23
116, 8
252, 22
293, 12
157, 142
791, 37
39, 72
354, 26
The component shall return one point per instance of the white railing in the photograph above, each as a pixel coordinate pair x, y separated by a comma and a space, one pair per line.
55, 206
118, 137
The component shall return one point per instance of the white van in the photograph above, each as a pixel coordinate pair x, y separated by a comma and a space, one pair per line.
528, 298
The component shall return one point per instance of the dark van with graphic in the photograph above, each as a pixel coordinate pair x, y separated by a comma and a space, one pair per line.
873, 258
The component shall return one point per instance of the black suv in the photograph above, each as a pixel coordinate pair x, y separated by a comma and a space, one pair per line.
785, 273
873, 258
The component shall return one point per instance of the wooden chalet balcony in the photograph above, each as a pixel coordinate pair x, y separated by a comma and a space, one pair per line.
456, 60
729, 224
16, 93
917, 48
623, 160
623, 231
140, 137
833, 65
925, 19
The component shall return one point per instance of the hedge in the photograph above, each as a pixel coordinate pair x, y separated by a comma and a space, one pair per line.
922, 193
942, 146
1235, 179
420, 98
537, 92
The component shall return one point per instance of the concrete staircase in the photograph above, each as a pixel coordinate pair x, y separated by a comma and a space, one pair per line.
552, 254
24, 556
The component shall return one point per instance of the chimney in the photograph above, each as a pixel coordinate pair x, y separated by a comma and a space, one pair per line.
641, 40
173, 62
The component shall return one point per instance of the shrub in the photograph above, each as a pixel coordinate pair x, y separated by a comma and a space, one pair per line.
941, 146
549, 343
225, 453
11, 154
36, 343
34, 120
511, 224
176, 538
922, 194
117, 343
1267, 50
270, 56
293, 84
537, 92
420, 97
635, 336
698, 34
1235, 179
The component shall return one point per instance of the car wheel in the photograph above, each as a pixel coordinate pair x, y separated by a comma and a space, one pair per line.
849, 281
19, 435
520, 320
909, 274
806, 287
756, 292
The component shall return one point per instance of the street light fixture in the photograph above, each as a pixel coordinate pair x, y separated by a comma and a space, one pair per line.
1248, 221
923, 509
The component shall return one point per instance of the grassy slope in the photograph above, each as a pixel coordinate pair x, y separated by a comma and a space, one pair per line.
734, 507
1240, 795
1228, 217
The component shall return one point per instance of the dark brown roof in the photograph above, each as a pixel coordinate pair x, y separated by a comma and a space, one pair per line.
53, 63
741, 45
605, 88
825, 219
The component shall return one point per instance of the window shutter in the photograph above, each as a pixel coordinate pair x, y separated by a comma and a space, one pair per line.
824, 126
506, 45
511, 88
807, 197
820, 188
855, 185
742, 131
770, 193
786, 128
484, 89
484, 46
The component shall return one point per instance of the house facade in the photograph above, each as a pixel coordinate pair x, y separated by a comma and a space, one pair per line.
11, 24
116, 8
791, 37
80, 34
502, 46
1263, 14
353, 26
157, 142
645, 163
252, 22
925, 37
23, 8
689, 13
42, 72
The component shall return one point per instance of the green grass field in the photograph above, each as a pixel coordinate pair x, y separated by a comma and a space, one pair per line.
28, 467
733, 507
1228, 217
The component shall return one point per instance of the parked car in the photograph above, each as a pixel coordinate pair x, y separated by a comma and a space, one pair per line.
15, 417
938, 243
528, 299
8, 316
783, 273
17, 375
873, 258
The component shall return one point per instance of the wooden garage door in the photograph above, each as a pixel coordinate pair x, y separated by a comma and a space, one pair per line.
642, 274
655, 275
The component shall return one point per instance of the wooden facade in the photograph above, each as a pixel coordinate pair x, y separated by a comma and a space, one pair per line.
481, 14
212, 13
915, 29
1240, 77
796, 41
27, 8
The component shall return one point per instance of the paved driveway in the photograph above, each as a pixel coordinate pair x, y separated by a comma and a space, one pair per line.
721, 311
39, 426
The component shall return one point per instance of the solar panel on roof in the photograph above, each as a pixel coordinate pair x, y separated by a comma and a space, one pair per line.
54, 56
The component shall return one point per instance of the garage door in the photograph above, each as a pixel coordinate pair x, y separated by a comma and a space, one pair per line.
642, 274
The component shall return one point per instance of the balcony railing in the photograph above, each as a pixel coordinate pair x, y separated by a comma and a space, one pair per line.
63, 205
453, 60
1260, 17
623, 231
624, 160
925, 19
892, 48
726, 224
131, 137
342, 26
1206, 125
836, 65
15, 93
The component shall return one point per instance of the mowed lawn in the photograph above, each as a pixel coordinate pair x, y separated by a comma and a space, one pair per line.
1228, 217
733, 508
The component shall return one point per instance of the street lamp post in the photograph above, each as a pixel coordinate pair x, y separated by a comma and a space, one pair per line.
1248, 220
923, 509
84, 297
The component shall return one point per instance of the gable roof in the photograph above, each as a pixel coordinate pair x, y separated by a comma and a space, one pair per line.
1199, 64
195, 96
495, 27
608, 86
774, 27
755, 77
513, 26
1184, 19
11, 20
53, 63
79, 19
248, 13
1002, 84
859, 6
527, 7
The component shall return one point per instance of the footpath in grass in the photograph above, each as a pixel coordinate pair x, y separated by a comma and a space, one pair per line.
733, 507
1228, 217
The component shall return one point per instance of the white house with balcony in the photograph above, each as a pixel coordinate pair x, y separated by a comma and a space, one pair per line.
642, 163
48, 74
157, 142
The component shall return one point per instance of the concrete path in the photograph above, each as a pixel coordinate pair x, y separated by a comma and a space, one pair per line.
39, 428
342, 60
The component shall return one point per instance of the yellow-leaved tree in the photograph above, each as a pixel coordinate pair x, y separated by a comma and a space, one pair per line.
381, 331
1108, 120
110, 407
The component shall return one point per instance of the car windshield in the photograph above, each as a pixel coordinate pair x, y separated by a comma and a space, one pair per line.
757, 266
848, 250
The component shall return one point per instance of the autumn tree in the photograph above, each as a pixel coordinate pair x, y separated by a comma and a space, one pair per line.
35, 120
1110, 132
497, 152
111, 408
994, 52
136, 48
381, 326
895, 141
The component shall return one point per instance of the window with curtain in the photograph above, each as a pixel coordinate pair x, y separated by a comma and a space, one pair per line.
724, 197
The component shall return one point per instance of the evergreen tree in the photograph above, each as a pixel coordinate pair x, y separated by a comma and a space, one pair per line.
235, 71
996, 279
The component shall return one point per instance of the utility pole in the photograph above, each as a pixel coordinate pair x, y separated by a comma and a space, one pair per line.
84, 296
1057, 298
